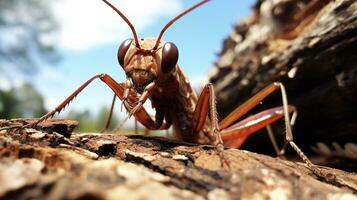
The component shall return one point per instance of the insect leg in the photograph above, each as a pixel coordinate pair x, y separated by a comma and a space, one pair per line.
60, 107
207, 102
201, 110
144, 96
128, 85
141, 115
136, 126
107, 123
280, 153
248, 105
256, 99
235, 135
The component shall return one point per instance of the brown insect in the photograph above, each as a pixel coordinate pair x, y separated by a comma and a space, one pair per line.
151, 69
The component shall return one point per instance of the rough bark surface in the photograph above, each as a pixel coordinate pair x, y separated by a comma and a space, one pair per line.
310, 46
52, 163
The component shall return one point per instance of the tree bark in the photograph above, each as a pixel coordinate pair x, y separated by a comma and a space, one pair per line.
309, 46
45, 164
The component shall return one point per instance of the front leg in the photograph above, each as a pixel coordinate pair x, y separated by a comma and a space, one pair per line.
141, 114
128, 86
144, 96
207, 102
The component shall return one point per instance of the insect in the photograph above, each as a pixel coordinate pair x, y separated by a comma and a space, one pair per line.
152, 73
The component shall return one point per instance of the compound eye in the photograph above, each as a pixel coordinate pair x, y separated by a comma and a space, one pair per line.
122, 50
169, 57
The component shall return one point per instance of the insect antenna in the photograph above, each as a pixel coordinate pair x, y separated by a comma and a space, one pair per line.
175, 19
127, 21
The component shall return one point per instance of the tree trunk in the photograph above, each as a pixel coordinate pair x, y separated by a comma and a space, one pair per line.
309, 46
50, 162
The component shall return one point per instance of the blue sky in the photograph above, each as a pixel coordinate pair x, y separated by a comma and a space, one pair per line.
89, 44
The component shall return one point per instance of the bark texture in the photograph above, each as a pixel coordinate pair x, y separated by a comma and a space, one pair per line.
52, 163
310, 46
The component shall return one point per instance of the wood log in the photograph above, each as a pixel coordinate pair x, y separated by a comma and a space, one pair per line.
309, 46
45, 164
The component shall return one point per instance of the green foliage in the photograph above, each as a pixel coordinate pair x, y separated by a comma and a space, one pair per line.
90, 123
24, 101
102, 118
8, 104
30, 102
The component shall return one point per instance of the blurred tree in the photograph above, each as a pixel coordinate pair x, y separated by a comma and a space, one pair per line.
24, 101
85, 118
91, 123
8, 105
27, 33
102, 118
29, 102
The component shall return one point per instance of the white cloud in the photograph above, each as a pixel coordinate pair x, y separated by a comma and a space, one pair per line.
86, 23
5, 84
10, 78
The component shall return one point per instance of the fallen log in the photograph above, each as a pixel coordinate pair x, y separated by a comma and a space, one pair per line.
49, 163
309, 46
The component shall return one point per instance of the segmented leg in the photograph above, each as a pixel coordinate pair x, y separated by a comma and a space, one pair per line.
207, 102
128, 86
236, 134
273, 142
109, 119
141, 114
144, 96
60, 107
256, 99
136, 127
280, 152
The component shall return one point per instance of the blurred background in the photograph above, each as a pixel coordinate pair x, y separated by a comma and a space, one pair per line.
49, 48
